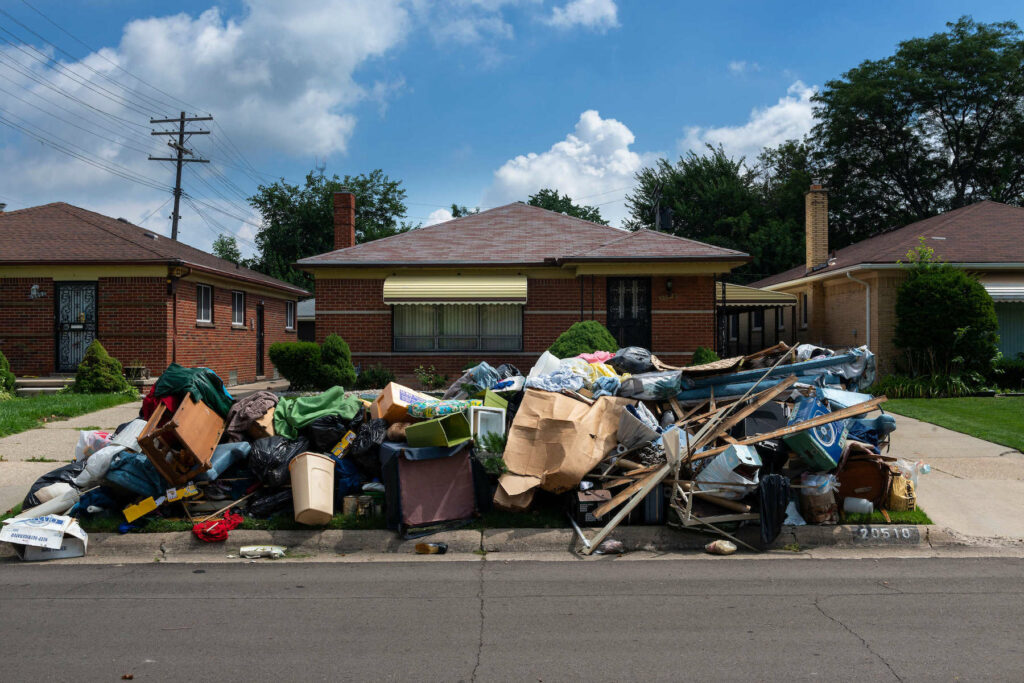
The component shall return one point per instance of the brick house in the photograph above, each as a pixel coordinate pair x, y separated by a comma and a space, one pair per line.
848, 298
501, 285
68, 276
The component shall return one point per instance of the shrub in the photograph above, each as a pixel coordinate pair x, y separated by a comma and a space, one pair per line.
374, 377
583, 337
298, 362
928, 386
98, 373
704, 355
945, 320
6, 376
308, 365
430, 377
1008, 374
336, 363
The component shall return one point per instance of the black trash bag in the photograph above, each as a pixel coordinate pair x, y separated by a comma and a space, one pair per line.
269, 503
365, 450
269, 459
65, 474
325, 433
506, 370
632, 359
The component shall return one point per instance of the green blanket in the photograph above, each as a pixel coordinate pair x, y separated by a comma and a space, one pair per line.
202, 383
292, 414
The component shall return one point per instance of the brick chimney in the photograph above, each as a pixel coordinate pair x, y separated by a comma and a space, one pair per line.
344, 220
816, 224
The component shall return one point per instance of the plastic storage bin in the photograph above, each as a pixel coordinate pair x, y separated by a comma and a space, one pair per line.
312, 488
449, 430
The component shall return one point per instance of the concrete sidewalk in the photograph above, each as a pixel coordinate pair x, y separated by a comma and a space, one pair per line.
975, 488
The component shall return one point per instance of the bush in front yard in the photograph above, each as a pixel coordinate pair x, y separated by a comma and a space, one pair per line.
704, 355
945, 320
1009, 373
583, 337
308, 365
6, 376
297, 362
374, 377
99, 373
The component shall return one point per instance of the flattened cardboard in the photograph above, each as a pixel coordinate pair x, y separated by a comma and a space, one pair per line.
50, 537
515, 492
558, 439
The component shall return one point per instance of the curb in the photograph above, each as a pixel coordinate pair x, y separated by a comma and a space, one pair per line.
315, 543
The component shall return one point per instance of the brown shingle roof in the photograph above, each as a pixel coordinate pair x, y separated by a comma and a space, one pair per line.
986, 232
520, 234
60, 233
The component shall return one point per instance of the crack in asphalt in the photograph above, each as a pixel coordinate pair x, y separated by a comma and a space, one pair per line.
480, 639
867, 646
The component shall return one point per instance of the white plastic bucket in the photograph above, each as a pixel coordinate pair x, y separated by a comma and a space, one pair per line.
312, 488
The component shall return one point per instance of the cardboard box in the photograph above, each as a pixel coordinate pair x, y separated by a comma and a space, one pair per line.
51, 537
821, 447
393, 402
583, 504
555, 440
263, 427
515, 493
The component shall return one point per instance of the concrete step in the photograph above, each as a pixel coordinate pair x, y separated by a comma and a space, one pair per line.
27, 392
57, 381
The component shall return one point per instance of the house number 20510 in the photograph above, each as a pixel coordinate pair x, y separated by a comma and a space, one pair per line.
893, 534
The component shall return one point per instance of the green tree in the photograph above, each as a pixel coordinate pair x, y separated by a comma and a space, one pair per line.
299, 221
562, 203
936, 126
945, 320
460, 210
226, 247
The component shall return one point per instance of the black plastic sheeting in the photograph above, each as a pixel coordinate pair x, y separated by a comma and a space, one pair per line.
365, 450
65, 474
325, 433
632, 359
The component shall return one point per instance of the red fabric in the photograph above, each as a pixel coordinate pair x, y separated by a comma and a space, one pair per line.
216, 530
150, 402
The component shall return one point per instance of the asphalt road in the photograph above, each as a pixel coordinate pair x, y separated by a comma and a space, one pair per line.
727, 618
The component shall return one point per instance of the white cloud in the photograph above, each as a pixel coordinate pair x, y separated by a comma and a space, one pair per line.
594, 165
438, 216
599, 15
791, 117
740, 67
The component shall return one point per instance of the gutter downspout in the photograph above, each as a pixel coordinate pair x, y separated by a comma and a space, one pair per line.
867, 308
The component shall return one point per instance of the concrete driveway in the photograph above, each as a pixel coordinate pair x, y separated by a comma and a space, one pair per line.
975, 488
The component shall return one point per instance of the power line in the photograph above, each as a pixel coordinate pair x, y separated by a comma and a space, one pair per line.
104, 58
150, 214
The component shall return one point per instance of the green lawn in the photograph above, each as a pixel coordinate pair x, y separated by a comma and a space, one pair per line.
20, 414
997, 419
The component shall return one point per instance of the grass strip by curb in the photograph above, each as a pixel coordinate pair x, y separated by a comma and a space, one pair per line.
21, 414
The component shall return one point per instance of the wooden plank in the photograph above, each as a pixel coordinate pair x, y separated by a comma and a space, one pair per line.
654, 480
676, 408
852, 411
621, 497
758, 401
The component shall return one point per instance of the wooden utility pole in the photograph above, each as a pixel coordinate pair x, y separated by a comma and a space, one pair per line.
181, 150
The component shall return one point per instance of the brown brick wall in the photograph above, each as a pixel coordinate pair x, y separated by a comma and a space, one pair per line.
26, 325
354, 309
133, 320
223, 348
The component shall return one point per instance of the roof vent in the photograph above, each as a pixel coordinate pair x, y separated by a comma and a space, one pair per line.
152, 236
123, 220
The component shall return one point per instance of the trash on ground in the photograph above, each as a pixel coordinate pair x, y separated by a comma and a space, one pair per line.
252, 552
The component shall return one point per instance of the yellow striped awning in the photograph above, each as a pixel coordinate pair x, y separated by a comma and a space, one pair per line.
455, 289
730, 294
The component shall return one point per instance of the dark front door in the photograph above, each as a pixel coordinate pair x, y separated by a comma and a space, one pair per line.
76, 322
629, 310
259, 339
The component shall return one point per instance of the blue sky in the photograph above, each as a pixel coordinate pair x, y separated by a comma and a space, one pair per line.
478, 102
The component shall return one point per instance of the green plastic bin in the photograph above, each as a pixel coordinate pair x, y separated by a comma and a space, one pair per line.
449, 430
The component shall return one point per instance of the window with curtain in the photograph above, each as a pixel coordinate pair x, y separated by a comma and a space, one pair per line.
458, 327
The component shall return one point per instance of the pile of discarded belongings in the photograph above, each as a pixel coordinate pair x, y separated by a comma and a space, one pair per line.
777, 437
